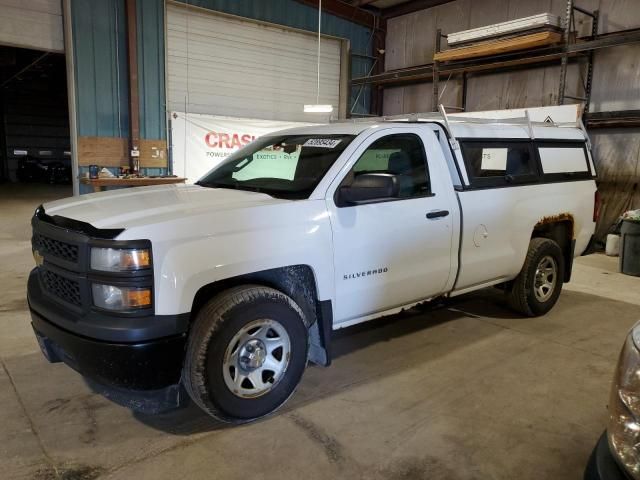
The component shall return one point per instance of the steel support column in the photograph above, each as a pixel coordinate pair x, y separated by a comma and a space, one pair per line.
134, 99
71, 94
564, 61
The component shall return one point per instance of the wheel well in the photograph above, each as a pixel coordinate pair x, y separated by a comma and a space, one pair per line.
296, 281
559, 228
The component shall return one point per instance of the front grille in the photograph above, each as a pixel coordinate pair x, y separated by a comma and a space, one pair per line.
56, 248
61, 287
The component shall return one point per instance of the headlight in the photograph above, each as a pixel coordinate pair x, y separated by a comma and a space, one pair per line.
120, 259
111, 297
624, 406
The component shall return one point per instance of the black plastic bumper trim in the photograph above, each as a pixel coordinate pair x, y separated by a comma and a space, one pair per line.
76, 225
104, 326
602, 465
148, 365
569, 266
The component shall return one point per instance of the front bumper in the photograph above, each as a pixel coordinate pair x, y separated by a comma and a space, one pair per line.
138, 354
602, 465
147, 365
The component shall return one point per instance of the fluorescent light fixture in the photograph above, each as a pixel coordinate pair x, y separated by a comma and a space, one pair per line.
318, 108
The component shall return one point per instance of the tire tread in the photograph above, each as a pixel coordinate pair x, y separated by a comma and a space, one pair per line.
209, 321
518, 294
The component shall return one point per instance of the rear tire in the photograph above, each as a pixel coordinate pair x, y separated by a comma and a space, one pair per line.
536, 289
246, 353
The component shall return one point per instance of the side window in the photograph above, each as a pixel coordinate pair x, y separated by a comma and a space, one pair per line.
499, 163
401, 155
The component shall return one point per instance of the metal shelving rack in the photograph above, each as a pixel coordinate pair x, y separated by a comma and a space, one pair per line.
569, 28
571, 50
569, 32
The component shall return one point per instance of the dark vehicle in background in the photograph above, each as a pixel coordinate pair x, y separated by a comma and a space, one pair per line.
617, 453
44, 170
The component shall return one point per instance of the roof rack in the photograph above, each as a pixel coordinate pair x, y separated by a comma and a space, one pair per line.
448, 119
434, 116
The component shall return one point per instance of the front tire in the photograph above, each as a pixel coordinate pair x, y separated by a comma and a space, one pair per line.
246, 353
536, 289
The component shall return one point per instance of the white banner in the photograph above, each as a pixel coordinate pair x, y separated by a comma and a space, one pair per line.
200, 142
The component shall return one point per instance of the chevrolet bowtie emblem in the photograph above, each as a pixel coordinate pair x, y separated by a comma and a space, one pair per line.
39, 259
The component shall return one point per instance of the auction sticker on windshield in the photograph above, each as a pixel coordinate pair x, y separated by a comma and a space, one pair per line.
322, 143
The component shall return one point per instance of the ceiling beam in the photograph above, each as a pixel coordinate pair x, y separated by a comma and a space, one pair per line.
410, 7
345, 10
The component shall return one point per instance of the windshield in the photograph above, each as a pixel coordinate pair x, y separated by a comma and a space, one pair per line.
281, 166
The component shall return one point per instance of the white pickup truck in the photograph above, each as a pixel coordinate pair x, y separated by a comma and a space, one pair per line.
227, 287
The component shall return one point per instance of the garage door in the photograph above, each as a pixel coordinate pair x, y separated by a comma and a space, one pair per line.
224, 65
33, 24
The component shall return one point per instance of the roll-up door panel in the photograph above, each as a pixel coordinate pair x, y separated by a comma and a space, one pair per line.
223, 65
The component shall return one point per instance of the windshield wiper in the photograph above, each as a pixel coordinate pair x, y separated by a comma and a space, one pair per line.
214, 184
233, 186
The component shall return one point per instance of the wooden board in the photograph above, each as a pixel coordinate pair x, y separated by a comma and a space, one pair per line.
497, 47
153, 153
113, 152
103, 151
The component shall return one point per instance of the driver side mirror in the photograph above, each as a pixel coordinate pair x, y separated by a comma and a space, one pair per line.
368, 187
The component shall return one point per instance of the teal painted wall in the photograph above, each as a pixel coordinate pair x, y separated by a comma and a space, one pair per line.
100, 36
99, 41
150, 20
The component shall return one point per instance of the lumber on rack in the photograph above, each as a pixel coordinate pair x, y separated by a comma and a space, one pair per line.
496, 47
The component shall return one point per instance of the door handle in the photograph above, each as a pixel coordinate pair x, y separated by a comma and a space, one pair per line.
437, 214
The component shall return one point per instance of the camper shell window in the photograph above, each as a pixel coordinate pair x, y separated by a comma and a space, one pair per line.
502, 163
563, 161
495, 163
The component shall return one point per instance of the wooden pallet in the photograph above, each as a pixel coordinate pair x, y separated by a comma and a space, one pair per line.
497, 47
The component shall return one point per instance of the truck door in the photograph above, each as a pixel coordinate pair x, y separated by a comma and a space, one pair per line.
390, 252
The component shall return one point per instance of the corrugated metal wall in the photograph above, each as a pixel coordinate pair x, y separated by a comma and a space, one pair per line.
616, 80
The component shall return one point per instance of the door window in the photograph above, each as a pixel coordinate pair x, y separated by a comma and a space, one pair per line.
401, 155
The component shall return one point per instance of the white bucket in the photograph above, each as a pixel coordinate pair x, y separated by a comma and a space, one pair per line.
613, 245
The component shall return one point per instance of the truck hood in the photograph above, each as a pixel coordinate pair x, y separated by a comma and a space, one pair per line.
147, 205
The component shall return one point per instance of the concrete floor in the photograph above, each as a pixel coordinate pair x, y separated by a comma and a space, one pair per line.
467, 392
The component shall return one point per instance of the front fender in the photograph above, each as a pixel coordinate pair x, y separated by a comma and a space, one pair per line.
298, 235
